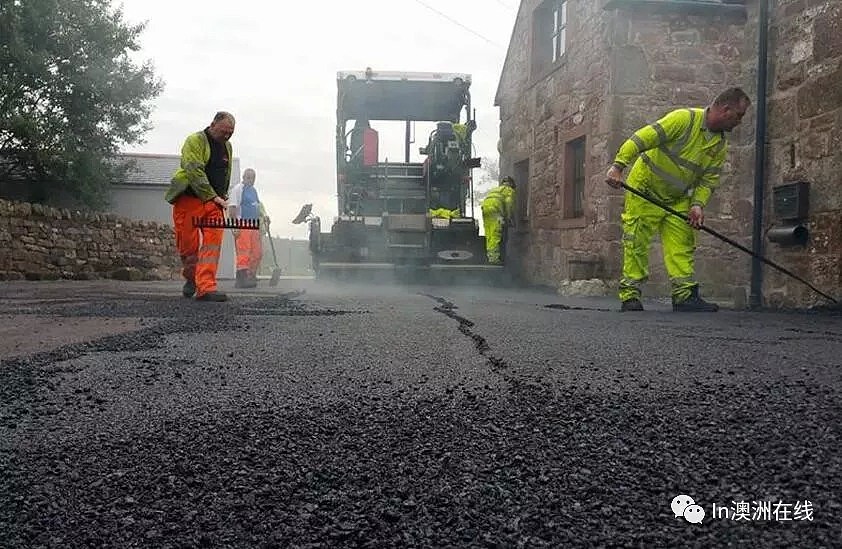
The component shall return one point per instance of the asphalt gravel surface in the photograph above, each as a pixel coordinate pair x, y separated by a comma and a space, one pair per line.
310, 415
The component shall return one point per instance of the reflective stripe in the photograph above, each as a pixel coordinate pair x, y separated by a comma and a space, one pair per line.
674, 152
676, 148
687, 133
713, 171
660, 131
210, 247
681, 161
193, 165
638, 142
675, 182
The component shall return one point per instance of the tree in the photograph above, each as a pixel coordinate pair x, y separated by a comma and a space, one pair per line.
70, 96
489, 179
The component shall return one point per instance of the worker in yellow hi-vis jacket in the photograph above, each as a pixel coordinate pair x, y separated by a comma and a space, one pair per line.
679, 161
498, 207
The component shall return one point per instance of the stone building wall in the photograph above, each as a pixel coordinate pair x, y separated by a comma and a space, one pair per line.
805, 143
540, 114
43, 243
628, 67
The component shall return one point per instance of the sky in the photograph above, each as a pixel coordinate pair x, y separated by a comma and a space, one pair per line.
273, 66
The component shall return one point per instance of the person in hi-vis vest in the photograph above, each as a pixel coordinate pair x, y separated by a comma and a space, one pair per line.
498, 207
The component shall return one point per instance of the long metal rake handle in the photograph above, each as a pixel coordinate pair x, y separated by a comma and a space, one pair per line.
724, 238
227, 223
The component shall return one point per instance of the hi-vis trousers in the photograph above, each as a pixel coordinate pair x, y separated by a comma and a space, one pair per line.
199, 247
641, 220
249, 250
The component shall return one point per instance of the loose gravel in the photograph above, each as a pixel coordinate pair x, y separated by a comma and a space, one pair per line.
417, 420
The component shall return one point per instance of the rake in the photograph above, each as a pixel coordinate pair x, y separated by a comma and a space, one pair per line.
227, 223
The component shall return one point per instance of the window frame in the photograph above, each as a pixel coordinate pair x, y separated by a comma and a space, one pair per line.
550, 25
559, 10
576, 170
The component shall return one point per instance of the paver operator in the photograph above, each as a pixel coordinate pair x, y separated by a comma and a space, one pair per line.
679, 162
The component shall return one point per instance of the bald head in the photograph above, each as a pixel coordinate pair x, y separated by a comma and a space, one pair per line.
222, 127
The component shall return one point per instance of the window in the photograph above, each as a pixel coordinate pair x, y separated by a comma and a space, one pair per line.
574, 184
521, 176
549, 35
559, 29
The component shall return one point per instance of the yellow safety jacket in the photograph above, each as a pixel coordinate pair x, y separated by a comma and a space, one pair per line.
500, 200
195, 154
444, 213
678, 157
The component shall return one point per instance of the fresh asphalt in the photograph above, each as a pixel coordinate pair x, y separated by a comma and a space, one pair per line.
316, 415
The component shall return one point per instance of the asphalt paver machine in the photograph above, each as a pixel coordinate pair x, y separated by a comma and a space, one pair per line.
408, 220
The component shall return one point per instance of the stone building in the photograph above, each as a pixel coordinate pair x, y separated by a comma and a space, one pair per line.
581, 75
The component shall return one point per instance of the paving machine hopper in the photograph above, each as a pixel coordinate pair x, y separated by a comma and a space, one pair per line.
407, 221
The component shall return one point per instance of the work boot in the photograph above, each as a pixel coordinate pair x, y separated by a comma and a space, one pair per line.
250, 280
632, 304
694, 304
212, 296
188, 289
242, 278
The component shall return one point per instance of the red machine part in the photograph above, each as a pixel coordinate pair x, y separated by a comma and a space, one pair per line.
370, 147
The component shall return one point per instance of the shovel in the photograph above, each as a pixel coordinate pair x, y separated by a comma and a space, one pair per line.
276, 272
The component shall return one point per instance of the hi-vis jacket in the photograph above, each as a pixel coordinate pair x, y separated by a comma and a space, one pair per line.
195, 154
679, 157
500, 201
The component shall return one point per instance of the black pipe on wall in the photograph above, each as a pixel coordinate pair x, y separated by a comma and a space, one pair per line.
756, 295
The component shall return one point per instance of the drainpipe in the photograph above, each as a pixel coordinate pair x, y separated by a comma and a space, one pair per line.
756, 296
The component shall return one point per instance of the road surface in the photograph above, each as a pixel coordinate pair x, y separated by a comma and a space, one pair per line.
316, 416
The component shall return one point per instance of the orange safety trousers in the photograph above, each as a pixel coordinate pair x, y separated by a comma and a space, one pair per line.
199, 247
249, 250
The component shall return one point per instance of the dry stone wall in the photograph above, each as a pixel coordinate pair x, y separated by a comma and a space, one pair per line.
44, 243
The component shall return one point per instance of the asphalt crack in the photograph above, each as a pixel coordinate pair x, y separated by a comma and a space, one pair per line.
564, 307
448, 309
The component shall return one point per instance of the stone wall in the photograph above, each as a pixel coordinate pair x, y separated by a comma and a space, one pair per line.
43, 243
805, 142
625, 68
540, 114
671, 60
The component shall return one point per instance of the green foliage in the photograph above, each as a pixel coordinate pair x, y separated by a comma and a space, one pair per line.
70, 96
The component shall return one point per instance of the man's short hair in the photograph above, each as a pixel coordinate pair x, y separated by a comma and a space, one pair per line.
731, 97
223, 115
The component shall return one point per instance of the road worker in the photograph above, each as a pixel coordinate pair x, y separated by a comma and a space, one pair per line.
245, 204
498, 207
444, 213
679, 161
199, 190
